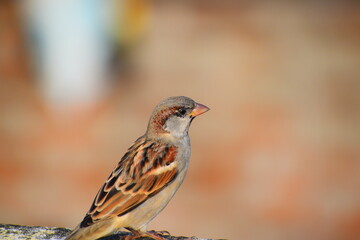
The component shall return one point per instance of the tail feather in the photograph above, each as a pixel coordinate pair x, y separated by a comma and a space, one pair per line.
74, 234
92, 232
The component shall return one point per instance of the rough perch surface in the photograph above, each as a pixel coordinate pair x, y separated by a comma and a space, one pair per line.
14, 232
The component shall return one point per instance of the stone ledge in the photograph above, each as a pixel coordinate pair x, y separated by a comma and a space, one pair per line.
15, 232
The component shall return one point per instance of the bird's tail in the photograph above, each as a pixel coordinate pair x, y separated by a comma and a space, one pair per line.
75, 234
92, 232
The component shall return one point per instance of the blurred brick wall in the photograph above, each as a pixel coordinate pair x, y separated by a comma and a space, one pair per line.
277, 157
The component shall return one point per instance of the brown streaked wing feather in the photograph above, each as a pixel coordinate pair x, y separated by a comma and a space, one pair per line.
141, 173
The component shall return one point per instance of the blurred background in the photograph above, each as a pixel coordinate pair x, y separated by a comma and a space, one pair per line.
277, 157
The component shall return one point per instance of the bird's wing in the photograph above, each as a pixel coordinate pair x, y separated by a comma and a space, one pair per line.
143, 171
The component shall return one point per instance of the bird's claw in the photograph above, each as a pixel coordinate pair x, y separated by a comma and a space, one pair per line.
162, 233
156, 235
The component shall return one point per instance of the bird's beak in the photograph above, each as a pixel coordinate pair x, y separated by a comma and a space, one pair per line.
199, 109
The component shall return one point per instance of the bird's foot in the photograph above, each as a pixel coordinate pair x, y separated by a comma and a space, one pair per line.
161, 233
150, 234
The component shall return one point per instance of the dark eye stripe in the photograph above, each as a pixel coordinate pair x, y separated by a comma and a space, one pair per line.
181, 112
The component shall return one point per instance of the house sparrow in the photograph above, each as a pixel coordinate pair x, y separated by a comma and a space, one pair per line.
147, 176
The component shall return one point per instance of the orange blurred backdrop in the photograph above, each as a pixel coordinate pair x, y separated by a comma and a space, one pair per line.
277, 157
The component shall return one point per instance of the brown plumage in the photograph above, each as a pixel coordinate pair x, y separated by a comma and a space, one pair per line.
146, 177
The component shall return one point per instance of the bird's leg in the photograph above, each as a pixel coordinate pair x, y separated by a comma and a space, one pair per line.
162, 233
138, 234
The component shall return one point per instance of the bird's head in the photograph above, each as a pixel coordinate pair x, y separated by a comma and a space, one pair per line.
173, 117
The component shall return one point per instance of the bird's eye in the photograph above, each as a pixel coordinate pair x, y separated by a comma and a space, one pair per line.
181, 112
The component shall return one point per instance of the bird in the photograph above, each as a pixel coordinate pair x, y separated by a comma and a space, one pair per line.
147, 176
